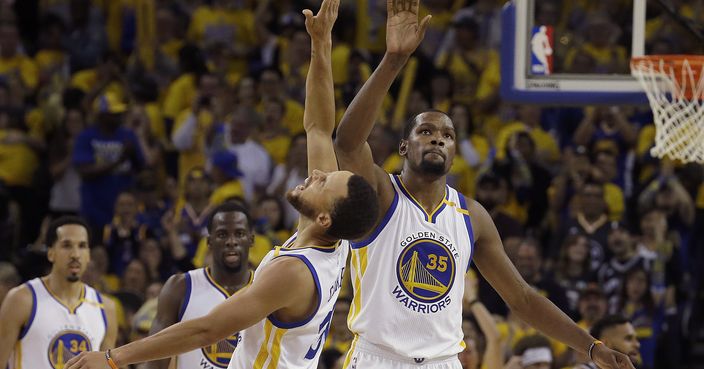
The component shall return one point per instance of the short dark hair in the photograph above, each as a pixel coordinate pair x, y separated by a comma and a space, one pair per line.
607, 322
51, 232
353, 216
229, 207
411, 123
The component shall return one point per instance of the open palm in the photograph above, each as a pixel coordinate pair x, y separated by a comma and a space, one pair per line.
403, 31
320, 25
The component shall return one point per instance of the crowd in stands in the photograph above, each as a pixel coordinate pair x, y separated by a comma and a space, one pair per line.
141, 115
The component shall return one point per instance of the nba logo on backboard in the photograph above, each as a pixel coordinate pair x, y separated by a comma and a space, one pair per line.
541, 44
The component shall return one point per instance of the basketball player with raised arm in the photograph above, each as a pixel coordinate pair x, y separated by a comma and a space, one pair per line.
193, 294
49, 320
408, 273
284, 315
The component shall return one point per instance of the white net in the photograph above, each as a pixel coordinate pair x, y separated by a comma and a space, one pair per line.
675, 89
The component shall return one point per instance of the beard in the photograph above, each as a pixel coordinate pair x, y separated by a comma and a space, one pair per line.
432, 168
303, 208
73, 278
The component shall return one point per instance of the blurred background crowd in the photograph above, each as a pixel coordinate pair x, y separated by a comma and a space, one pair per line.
140, 115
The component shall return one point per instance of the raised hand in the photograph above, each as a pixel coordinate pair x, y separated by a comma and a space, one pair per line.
319, 27
403, 31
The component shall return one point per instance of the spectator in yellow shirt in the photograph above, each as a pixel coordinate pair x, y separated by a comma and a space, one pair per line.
601, 36
51, 59
272, 134
547, 149
272, 86
225, 173
12, 62
193, 126
181, 92
468, 63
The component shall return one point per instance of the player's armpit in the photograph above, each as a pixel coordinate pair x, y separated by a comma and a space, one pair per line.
14, 316
284, 286
277, 286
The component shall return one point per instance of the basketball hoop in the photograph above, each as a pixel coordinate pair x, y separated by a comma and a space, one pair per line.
674, 85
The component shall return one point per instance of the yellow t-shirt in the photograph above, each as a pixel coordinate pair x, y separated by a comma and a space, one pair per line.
602, 56
613, 195
18, 162
87, 79
277, 147
195, 156
481, 74
505, 331
179, 95
227, 191
25, 68
46, 59
156, 121
545, 144
293, 116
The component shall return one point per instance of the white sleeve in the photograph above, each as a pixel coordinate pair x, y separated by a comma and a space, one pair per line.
183, 136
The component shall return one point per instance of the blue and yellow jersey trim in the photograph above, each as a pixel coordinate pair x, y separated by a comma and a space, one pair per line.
220, 288
433, 215
71, 310
33, 314
288, 246
464, 210
319, 291
379, 227
267, 352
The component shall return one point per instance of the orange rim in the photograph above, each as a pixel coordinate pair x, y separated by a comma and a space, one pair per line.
675, 64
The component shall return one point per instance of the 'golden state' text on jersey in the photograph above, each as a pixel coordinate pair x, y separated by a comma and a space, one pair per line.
408, 277
274, 344
203, 293
55, 333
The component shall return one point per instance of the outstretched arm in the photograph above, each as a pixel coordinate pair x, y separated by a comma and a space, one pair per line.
530, 306
276, 287
403, 35
319, 114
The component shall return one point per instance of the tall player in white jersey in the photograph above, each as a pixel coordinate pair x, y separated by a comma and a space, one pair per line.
49, 320
284, 315
408, 273
195, 293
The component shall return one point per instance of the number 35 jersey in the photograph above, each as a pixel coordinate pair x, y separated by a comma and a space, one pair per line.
274, 344
408, 277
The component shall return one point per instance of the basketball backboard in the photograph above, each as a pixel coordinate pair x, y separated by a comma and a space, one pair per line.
543, 59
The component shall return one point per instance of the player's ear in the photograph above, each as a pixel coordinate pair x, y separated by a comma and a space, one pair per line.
251, 239
324, 220
403, 147
50, 253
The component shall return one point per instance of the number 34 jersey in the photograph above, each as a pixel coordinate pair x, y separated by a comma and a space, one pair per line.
408, 277
273, 344
55, 333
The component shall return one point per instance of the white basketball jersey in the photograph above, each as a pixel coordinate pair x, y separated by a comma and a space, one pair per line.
408, 277
203, 293
274, 344
54, 333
